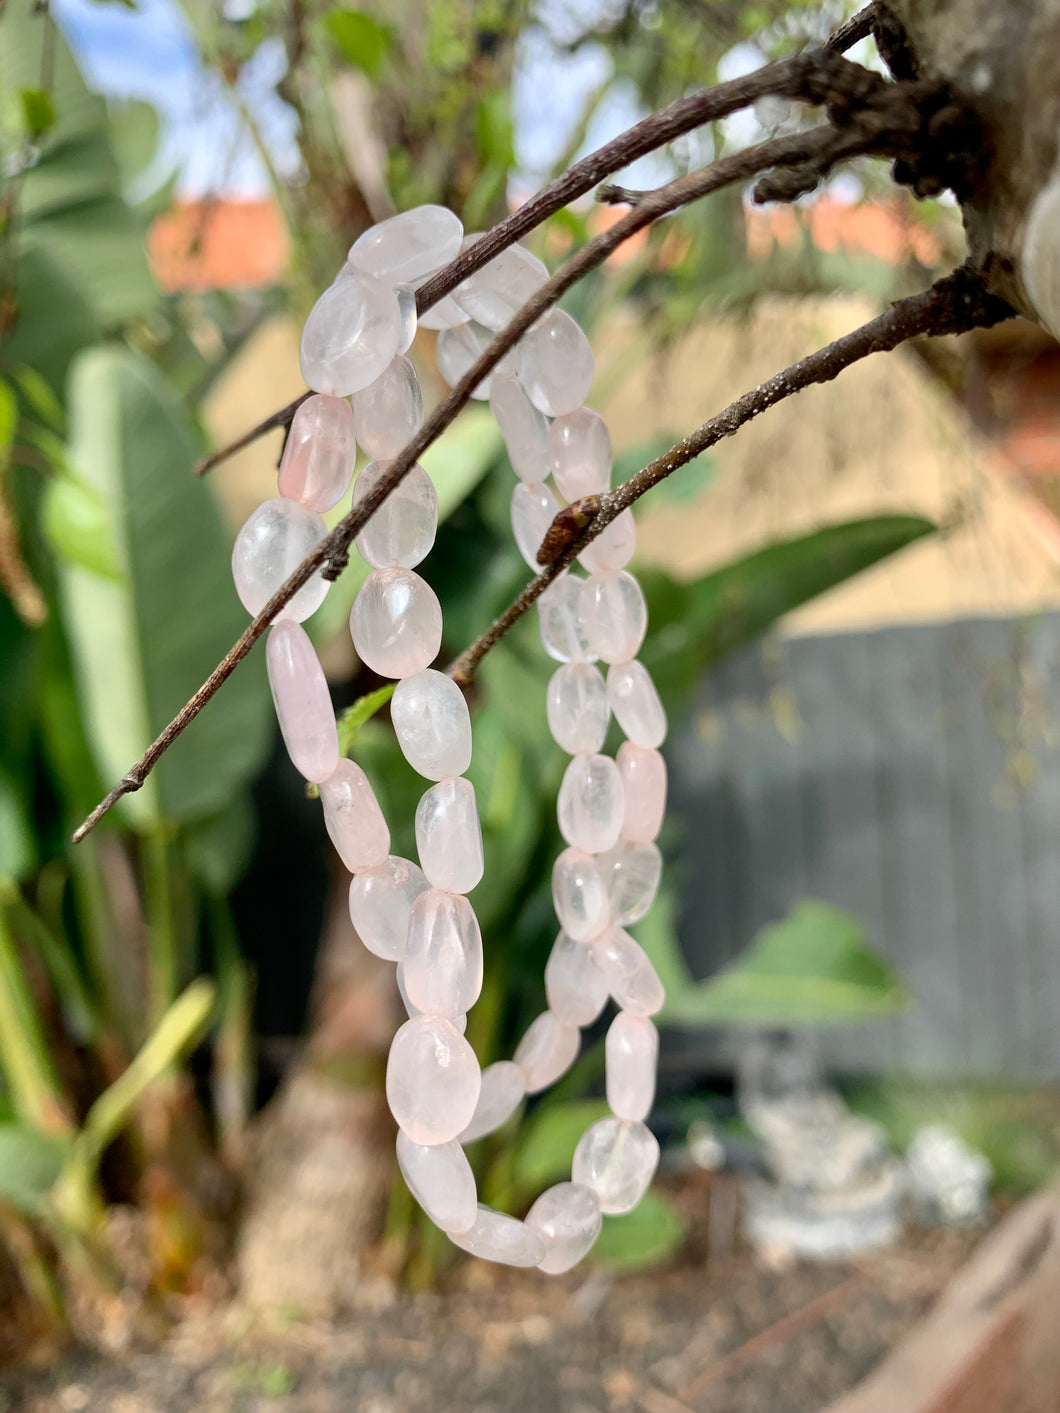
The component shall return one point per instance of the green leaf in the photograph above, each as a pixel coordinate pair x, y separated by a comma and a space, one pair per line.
219, 849
76, 520
351, 722
39, 397
54, 319
25, 1060
38, 111
18, 853
494, 131
8, 418
544, 1152
648, 1235
29, 1164
361, 40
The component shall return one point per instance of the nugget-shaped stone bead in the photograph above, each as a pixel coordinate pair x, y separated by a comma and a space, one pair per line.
432, 724
320, 452
271, 545
567, 1218
560, 623
381, 900
497, 1237
590, 805
432, 1080
547, 1050
494, 294
406, 298
442, 965
632, 696
633, 981
460, 1021
580, 895
457, 349
503, 1090
352, 333
389, 412
405, 248
614, 547
533, 509
577, 708
631, 1051
643, 772
303, 703
617, 1159
614, 616
633, 871
575, 987
524, 428
449, 836
441, 1180
402, 530
396, 623
579, 453
555, 364
353, 819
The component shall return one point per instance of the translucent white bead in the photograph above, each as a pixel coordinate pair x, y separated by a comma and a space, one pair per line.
494, 294
302, 701
449, 836
458, 348
271, 545
432, 724
577, 708
389, 412
633, 981
559, 621
352, 333
497, 1237
614, 547
432, 1080
503, 1090
643, 772
634, 871
381, 900
632, 696
590, 805
617, 1160
524, 428
442, 965
460, 1021
579, 453
441, 1180
613, 614
567, 1219
402, 530
632, 1052
547, 1050
580, 895
533, 509
320, 453
353, 819
406, 298
555, 364
396, 623
405, 248
575, 987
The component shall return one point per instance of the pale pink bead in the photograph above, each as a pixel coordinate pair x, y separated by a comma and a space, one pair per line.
497, 1237
547, 1050
533, 509
460, 1021
633, 871
494, 294
558, 619
441, 1180
524, 428
389, 412
590, 805
432, 1080
303, 703
614, 547
579, 453
432, 724
442, 965
320, 453
503, 1090
617, 1159
614, 616
633, 981
632, 1052
353, 819
643, 772
632, 696
381, 900
575, 987
406, 298
580, 895
404, 249
577, 708
271, 545
402, 530
449, 836
352, 333
457, 349
568, 1220
555, 364
396, 623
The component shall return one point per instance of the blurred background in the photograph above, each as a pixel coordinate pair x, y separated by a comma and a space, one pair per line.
854, 628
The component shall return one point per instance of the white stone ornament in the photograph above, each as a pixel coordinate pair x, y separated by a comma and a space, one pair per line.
269, 548
432, 1080
389, 412
352, 333
401, 532
406, 248
556, 364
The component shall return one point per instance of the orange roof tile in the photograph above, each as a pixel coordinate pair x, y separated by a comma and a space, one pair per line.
201, 245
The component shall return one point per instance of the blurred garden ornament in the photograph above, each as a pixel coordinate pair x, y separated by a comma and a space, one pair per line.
949, 1182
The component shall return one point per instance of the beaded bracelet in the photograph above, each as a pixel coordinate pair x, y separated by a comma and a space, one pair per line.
609, 810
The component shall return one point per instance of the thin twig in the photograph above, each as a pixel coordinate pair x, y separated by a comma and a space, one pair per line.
858, 27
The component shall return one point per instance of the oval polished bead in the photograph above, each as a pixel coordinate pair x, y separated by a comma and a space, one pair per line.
503, 1090
577, 708
559, 621
389, 412
575, 987
633, 981
643, 773
432, 724
396, 623
460, 1021
406, 298
580, 895
432, 1080
632, 696
302, 700
402, 530
498, 1237
320, 453
352, 333
441, 1180
591, 804
555, 364
567, 1218
533, 509
633, 872
614, 547
449, 836
274, 540
579, 453
613, 614
631, 1053
494, 294
381, 900
617, 1160
406, 248
458, 348
442, 965
524, 428
353, 819
547, 1050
